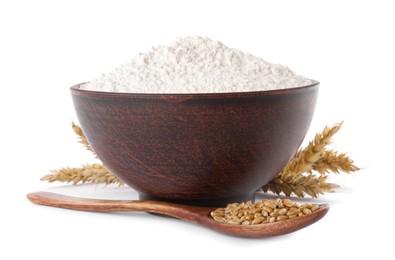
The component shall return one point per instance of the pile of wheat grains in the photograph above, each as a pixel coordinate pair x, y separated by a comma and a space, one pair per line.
261, 212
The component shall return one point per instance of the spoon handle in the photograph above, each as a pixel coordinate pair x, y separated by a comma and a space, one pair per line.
170, 209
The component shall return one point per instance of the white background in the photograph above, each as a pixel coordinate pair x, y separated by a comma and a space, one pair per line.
47, 46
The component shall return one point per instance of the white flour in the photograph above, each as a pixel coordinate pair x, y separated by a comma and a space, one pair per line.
196, 65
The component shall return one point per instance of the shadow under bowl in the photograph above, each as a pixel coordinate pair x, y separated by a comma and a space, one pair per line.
198, 149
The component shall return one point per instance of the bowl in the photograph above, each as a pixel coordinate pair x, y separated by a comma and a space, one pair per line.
198, 149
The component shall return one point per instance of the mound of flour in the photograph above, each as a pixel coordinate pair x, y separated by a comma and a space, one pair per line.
196, 65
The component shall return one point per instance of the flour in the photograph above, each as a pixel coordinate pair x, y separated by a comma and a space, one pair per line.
196, 65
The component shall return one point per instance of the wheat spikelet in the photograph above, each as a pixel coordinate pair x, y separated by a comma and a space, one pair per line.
332, 161
81, 136
88, 173
298, 178
304, 159
311, 185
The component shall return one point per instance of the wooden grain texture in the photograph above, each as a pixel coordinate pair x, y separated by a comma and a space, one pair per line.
197, 149
194, 214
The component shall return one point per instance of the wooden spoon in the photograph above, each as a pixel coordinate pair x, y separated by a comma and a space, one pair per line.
198, 215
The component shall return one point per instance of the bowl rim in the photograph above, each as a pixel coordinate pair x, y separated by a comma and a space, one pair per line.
75, 89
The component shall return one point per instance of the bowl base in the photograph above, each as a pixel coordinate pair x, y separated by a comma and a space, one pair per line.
222, 202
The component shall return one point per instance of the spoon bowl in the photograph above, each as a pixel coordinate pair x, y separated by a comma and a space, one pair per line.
194, 214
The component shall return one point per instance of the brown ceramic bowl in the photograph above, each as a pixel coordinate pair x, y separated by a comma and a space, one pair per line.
199, 149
